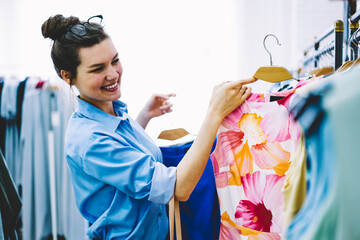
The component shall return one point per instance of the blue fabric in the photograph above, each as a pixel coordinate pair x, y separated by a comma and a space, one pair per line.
200, 215
9, 113
40, 105
11, 101
321, 162
284, 85
337, 216
1, 231
36, 211
120, 183
2, 120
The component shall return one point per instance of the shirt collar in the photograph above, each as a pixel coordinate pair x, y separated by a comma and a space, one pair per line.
90, 111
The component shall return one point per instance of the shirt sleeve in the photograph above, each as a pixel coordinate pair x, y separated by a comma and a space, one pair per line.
128, 169
163, 183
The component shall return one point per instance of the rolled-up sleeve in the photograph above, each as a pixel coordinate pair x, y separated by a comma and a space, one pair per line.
131, 171
162, 184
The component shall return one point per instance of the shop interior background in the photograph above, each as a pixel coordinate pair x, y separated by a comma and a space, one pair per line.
166, 46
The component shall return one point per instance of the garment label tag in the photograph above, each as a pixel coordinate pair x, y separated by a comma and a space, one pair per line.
55, 119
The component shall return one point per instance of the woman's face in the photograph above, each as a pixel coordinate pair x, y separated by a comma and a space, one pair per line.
99, 75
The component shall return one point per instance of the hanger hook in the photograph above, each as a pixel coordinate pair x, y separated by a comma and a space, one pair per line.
277, 40
351, 39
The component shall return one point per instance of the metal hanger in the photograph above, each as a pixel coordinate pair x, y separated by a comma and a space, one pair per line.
356, 62
272, 73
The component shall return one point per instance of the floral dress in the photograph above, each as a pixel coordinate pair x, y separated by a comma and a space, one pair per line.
255, 148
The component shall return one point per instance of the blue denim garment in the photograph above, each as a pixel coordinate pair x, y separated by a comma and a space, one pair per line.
120, 184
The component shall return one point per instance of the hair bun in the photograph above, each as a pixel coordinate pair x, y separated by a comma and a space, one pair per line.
55, 27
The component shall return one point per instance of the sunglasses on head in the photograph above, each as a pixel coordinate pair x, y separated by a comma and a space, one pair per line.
81, 29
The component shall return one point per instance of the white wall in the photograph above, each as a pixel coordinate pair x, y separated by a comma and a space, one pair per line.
184, 46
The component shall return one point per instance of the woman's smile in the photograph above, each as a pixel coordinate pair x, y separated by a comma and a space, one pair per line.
111, 88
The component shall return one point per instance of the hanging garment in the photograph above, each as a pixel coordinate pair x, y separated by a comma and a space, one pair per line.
295, 185
11, 138
331, 209
200, 214
19, 102
317, 128
256, 144
2, 120
2, 237
284, 85
10, 203
42, 107
342, 104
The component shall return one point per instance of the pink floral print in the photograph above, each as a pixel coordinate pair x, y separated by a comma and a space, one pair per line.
255, 144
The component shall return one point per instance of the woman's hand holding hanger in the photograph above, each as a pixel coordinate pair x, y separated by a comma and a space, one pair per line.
227, 96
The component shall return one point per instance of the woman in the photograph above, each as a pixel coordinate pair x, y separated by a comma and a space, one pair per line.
120, 183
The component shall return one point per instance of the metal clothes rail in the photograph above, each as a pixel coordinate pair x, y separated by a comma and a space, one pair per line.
337, 46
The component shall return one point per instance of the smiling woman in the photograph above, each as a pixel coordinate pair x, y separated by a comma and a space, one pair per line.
120, 183
98, 75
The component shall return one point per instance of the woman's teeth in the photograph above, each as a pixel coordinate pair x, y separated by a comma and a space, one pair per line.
111, 86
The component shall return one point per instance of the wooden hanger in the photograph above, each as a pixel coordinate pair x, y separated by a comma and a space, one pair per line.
322, 71
272, 73
356, 63
173, 134
345, 66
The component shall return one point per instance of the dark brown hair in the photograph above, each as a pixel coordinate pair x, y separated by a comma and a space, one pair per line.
66, 41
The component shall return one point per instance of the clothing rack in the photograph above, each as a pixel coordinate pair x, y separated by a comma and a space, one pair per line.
336, 46
316, 45
319, 52
35, 146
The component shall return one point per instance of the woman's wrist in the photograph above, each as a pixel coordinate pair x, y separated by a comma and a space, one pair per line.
143, 118
214, 117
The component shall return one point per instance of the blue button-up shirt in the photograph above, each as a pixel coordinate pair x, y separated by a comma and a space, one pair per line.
119, 180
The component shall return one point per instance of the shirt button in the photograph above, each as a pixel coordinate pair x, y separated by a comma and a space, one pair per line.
159, 214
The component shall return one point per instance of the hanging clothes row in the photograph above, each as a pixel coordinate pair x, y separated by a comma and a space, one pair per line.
35, 114
327, 111
331, 52
286, 161
12, 94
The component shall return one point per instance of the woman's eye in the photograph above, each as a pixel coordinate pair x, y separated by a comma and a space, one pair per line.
115, 61
96, 70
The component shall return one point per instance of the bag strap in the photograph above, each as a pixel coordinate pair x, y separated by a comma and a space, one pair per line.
174, 209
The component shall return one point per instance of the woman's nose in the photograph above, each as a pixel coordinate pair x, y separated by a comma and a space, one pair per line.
111, 74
